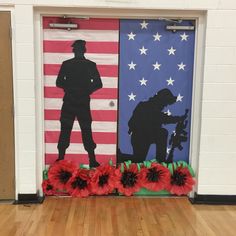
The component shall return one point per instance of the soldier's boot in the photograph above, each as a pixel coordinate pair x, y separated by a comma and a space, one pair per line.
61, 154
92, 160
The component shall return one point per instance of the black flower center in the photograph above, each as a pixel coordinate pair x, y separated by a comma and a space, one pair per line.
79, 183
153, 174
129, 179
64, 176
103, 180
49, 187
178, 178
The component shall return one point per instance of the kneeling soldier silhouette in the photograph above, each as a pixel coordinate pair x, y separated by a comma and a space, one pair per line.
145, 126
79, 78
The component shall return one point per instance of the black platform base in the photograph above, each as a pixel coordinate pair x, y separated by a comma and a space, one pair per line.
29, 199
213, 199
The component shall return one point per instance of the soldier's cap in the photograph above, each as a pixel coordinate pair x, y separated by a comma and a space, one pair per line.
167, 95
78, 43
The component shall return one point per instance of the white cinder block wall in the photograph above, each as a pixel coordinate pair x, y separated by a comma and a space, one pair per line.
217, 151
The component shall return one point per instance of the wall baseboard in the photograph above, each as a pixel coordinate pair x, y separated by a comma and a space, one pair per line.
213, 199
29, 199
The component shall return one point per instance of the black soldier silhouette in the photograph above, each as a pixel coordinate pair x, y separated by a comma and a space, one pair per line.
145, 126
79, 78
177, 137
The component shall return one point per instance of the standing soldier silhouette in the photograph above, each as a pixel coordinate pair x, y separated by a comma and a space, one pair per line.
79, 78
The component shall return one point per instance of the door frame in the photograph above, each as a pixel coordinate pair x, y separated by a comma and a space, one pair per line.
198, 16
13, 48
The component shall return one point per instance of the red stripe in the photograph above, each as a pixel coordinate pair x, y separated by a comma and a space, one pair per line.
103, 93
84, 24
79, 158
104, 70
99, 137
103, 115
92, 47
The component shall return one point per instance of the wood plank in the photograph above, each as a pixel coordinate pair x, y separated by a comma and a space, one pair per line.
7, 163
118, 216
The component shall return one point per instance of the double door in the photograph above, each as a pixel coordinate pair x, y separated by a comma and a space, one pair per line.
136, 60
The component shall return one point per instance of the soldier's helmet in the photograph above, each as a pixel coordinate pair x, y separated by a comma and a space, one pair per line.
165, 97
79, 45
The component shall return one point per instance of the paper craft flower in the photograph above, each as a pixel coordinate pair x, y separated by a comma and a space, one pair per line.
102, 180
79, 184
155, 178
60, 173
181, 181
128, 181
48, 188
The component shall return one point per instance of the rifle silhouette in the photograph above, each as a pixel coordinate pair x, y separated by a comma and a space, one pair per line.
179, 136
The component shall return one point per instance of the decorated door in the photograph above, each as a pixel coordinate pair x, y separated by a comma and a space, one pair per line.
155, 91
117, 91
68, 124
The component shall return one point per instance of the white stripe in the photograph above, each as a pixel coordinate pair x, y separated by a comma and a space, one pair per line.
87, 35
105, 126
107, 82
77, 148
99, 59
95, 104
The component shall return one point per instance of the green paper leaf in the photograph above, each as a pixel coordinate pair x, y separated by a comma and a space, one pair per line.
170, 167
175, 166
110, 162
164, 164
122, 167
191, 170
139, 167
183, 163
82, 166
149, 164
145, 163
128, 163
45, 174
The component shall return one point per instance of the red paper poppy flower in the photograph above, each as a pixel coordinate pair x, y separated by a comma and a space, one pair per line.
181, 181
155, 178
128, 181
102, 180
48, 188
79, 184
60, 173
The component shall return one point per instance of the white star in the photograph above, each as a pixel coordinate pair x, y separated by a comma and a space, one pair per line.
143, 50
131, 35
170, 81
181, 66
168, 112
132, 97
184, 37
179, 98
171, 51
132, 66
157, 37
156, 66
144, 25
168, 150
143, 82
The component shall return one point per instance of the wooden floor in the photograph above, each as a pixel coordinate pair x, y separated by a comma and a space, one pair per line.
106, 216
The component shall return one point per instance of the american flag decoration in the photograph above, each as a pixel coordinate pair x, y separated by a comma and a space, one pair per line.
102, 37
151, 59
139, 56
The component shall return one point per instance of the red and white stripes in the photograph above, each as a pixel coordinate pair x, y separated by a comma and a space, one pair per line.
102, 37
